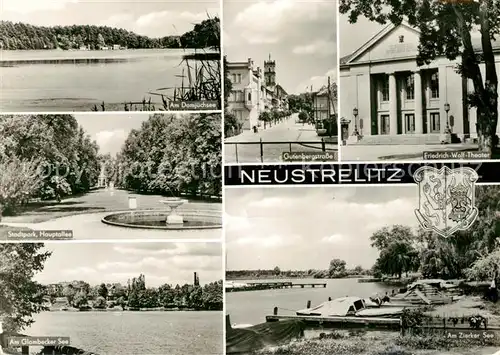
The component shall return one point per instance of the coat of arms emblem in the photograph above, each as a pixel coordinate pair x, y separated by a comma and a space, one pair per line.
446, 199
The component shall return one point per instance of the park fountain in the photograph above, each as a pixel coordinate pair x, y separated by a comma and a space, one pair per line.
194, 217
173, 203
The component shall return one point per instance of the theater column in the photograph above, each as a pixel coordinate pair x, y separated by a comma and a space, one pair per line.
393, 102
419, 119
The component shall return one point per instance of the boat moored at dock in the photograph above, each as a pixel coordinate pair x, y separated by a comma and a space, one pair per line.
349, 307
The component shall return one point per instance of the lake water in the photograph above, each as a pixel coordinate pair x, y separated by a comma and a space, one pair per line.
252, 307
57, 81
144, 333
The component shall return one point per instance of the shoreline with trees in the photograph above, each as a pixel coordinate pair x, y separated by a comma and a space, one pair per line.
81, 46
21, 36
404, 251
22, 297
79, 296
337, 270
472, 256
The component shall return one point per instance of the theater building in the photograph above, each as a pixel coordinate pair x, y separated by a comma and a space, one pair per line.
385, 97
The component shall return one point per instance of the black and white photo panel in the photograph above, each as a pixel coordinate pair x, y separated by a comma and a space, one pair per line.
111, 298
362, 270
412, 86
281, 81
110, 176
77, 56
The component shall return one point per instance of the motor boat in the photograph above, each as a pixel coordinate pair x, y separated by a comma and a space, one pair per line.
350, 307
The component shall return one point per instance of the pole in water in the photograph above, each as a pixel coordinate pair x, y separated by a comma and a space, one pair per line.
308, 304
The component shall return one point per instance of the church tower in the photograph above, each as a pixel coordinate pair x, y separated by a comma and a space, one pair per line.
270, 72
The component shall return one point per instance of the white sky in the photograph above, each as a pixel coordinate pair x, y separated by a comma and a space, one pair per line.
306, 227
299, 34
154, 18
95, 263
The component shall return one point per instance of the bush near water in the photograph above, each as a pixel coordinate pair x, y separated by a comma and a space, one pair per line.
22, 296
473, 255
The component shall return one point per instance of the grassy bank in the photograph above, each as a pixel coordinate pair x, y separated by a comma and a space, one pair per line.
433, 342
374, 346
385, 344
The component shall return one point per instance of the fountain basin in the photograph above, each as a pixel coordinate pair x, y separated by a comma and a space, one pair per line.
149, 219
174, 203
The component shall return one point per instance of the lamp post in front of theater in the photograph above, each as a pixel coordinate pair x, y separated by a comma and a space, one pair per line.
344, 130
447, 109
355, 114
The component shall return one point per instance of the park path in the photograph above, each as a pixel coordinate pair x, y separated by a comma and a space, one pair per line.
97, 204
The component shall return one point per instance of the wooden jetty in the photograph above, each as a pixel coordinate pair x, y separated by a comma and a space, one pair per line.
443, 323
332, 321
255, 286
429, 322
337, 321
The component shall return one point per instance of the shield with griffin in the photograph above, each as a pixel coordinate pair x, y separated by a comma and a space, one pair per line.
446, 199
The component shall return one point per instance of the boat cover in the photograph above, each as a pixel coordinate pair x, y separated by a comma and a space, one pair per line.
247, 340
380, 312
349, 306
338, 307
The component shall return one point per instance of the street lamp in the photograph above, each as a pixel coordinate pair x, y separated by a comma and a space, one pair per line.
447, 109
344, 129
355, 114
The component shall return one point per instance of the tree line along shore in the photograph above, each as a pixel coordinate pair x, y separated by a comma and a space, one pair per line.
404, 251
472, 255
21, 36
336, 270
23, 296
80, 296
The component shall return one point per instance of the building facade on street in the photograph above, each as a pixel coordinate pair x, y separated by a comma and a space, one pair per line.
384, 93
323, 104
325, 111
275, 94
254, 91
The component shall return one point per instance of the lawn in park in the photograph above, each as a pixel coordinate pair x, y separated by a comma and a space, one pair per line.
102, 200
